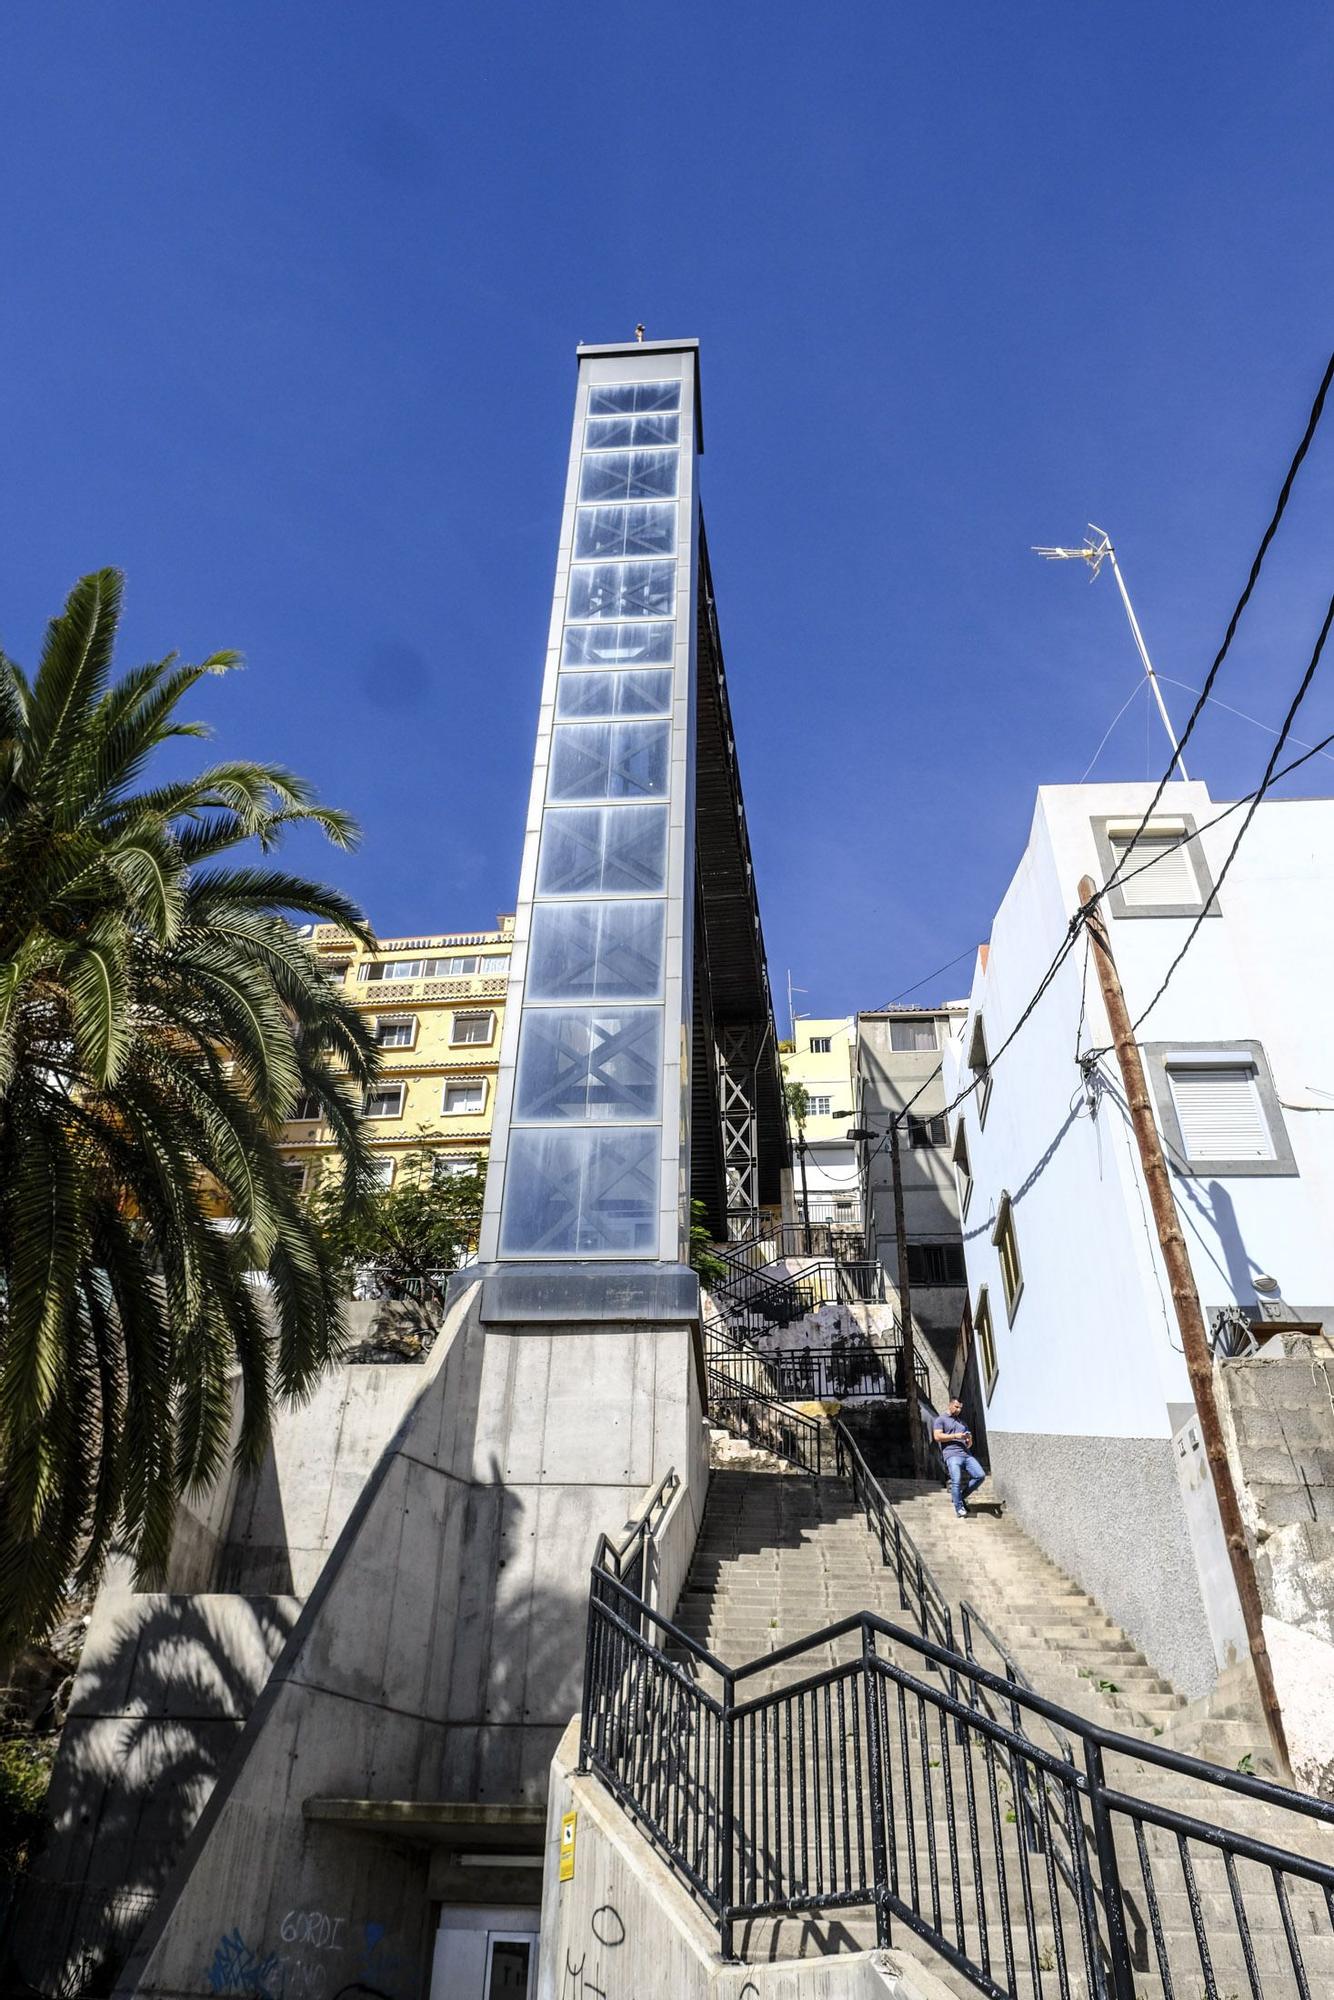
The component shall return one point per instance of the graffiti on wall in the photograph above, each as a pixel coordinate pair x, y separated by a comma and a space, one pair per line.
319, 1956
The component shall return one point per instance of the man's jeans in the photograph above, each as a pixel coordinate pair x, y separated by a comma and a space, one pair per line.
961, 1466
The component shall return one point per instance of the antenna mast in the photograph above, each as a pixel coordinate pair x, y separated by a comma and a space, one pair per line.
1094, 553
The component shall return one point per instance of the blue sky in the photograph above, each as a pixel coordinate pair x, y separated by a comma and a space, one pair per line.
291, 298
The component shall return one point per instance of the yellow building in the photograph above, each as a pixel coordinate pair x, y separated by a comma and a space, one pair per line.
820, 1057
436, 1005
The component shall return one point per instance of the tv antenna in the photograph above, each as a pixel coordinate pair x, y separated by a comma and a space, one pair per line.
1098, 549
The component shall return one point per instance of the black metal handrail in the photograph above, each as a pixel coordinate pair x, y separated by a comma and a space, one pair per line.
816, 1374
627, 1560
763, 1419
919, 1590
920, 1593
877, 1783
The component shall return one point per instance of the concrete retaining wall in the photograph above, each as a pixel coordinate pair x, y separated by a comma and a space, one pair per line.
284, 1519
440, 1653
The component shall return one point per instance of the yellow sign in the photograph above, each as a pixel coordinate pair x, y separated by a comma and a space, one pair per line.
567, 1827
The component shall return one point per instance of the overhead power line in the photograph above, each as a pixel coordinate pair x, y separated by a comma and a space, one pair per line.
967, 952
1312, 424
1271, 777
1256, 798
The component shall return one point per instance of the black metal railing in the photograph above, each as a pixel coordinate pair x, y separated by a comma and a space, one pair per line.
919, 1593
762, 1418
922, 1597
630, 1559
812, 1374
789, 1786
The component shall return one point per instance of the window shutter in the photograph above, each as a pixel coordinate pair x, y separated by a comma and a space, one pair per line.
1221, 1115
1169, 880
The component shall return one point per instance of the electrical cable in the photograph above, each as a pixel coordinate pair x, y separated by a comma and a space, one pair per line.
1312, 424
1319, 749
1240, 713
1265, 783
967, 952
1118, 875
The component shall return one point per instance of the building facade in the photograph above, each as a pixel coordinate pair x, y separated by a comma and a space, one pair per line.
899, 1058
436, 1007
1089, 1411
826, 1181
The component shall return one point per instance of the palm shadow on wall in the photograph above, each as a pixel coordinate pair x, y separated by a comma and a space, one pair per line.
151, 1726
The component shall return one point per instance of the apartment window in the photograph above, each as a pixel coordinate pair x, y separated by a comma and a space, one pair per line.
935, 1264
382, 1172
1218, 1108
913, 1037
450, 1166
399, 1034
1165, 872
930, 1131
818, 1107
307, 1108
385, 1101
821, 1045
1007, 1254
986, 1342
963, 1169
466, 1099
295, 1170
979, 1063
473, 1029
459, 965
333, 970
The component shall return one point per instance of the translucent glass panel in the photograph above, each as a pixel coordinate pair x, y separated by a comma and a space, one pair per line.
609, 760
612, 398
623, 590
629, 475
617, 433
592, 1064
642, 691
597, 951
586, 1192
603, 850
617, 645
632, 530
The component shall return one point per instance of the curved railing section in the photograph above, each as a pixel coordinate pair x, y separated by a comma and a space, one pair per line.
789, 1786
764, 1420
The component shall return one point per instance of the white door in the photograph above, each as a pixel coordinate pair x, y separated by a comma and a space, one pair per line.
485, 1954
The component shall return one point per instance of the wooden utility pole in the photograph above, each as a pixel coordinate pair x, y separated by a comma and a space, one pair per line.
1190, 1319
905, 1306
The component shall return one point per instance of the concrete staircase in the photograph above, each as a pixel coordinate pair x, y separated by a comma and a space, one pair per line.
1060, 1638
780, 1557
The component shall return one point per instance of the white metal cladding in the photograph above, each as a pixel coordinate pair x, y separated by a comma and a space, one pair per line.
589, 1144
1222, 1117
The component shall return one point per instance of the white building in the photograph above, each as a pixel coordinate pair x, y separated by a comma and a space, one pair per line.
1089, 1413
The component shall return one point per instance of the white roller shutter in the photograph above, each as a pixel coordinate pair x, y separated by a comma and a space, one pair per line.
1221, 1115
1168, 878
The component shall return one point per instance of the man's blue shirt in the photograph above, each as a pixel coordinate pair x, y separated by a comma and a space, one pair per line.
958, 1429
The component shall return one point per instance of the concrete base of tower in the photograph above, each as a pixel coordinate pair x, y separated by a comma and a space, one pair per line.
418, 1702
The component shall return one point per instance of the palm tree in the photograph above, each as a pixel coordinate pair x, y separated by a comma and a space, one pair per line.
159, 1016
